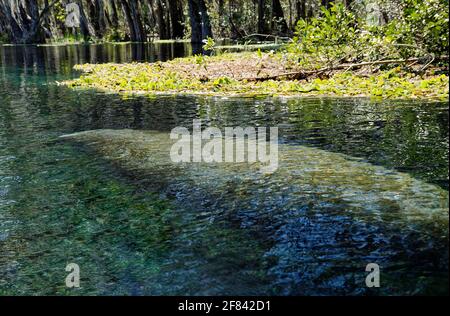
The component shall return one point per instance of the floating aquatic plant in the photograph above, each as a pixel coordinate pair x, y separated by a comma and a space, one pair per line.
250, 74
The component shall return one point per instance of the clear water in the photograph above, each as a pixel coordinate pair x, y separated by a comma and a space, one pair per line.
359, 181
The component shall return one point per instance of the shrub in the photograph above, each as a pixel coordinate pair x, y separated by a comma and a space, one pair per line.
424, 23
337, 35
329, 36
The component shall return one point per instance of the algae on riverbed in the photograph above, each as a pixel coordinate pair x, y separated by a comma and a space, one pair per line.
121, 235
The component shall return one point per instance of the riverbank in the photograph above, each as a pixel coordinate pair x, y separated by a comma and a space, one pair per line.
257, 73
68, 42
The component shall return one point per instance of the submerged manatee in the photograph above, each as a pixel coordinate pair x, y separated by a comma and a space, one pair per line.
322, 216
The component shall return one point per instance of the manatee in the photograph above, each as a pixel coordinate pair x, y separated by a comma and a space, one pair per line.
322, 215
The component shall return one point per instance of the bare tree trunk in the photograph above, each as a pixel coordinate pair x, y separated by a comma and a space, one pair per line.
96, 13
176, 18
222, 27
130, 10
87, 29
261, 11
111, 15
278, 21
195, 21
14, 25
235, 31
199, 19
206, 24
151, 17
301, 9
161, 21
23, 21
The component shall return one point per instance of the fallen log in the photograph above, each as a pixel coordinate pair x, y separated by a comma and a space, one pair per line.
305, 74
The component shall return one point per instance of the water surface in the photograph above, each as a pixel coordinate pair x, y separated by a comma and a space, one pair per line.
145, 233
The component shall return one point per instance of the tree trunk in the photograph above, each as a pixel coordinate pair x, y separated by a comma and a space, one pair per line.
199, 19
96, 13
87, 29
163, 30
130, 10
222, 27
206, 24
195, 21
11, 20
301, 9
261, 21
176, 18
23, 21
278, 21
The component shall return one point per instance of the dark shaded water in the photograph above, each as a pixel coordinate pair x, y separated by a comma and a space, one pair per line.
133, 234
